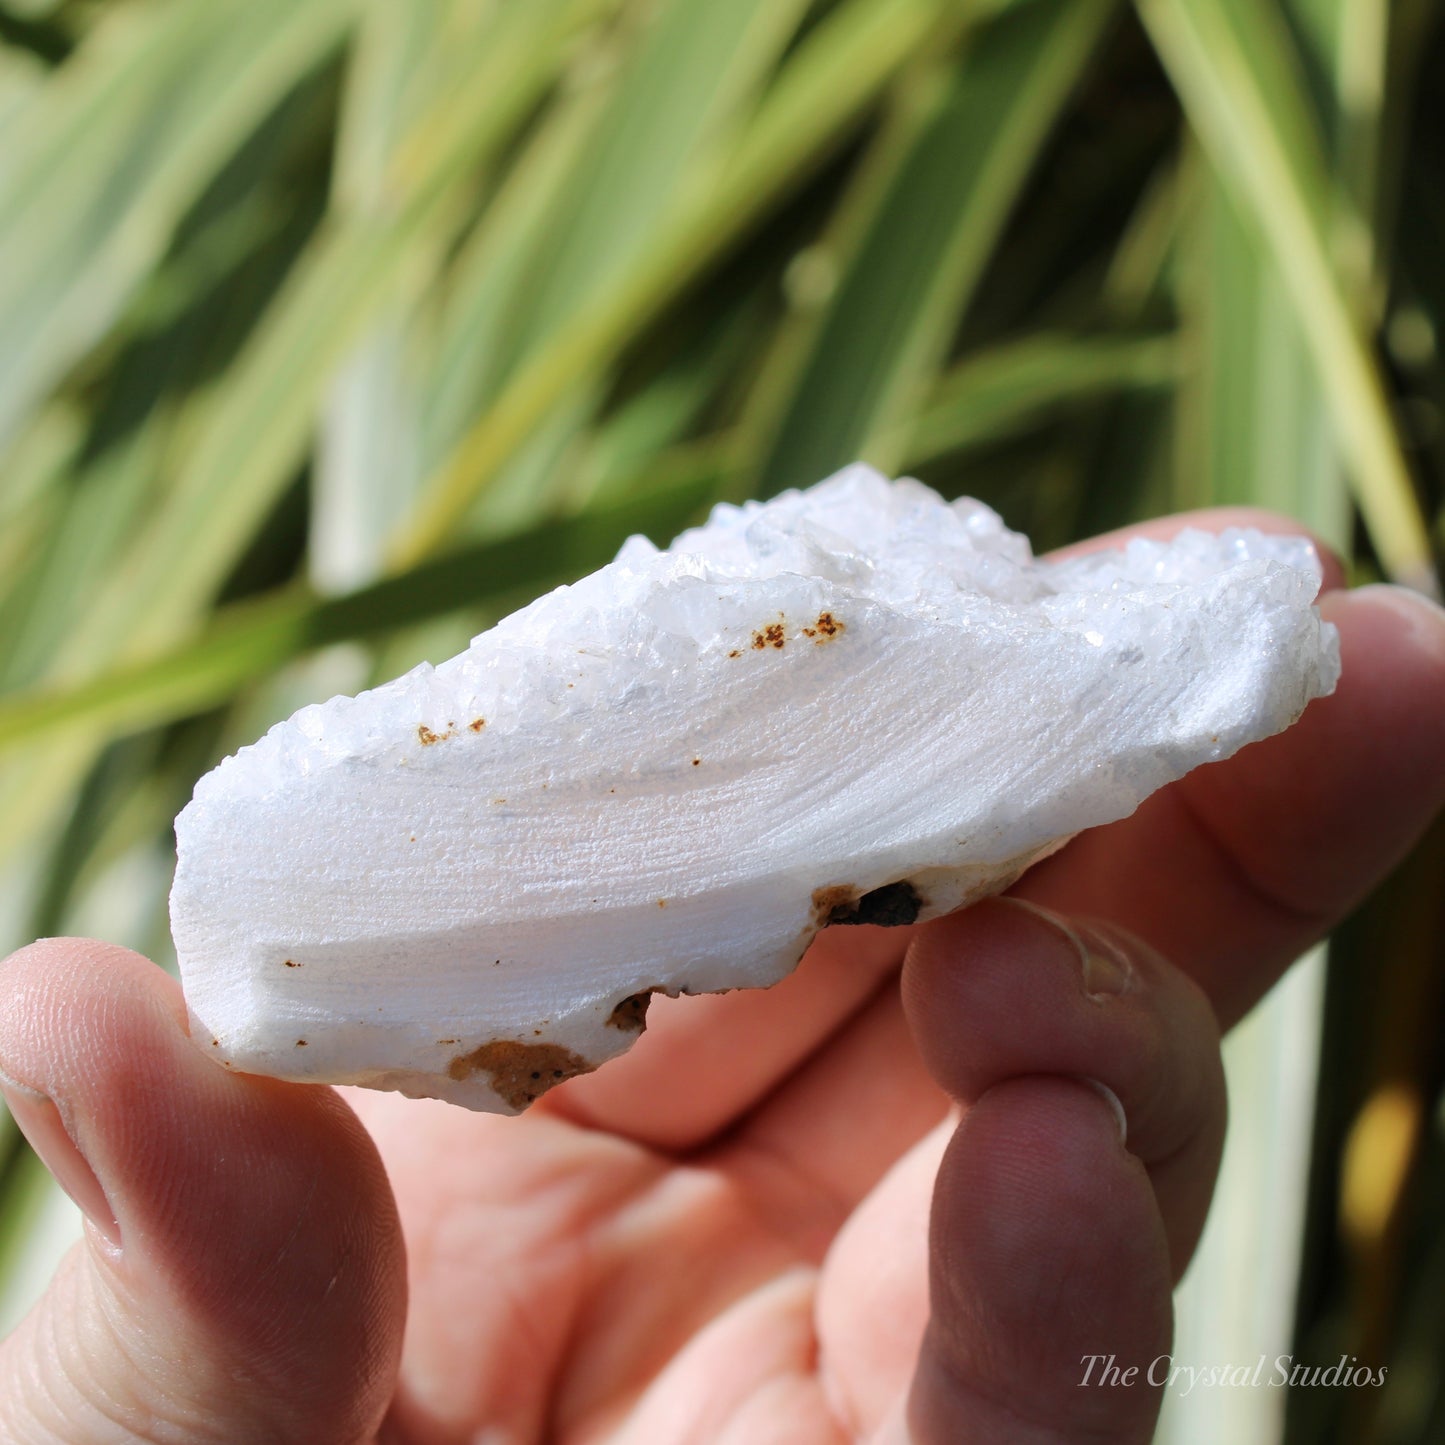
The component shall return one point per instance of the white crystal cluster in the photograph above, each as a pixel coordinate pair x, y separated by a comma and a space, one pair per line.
856, 703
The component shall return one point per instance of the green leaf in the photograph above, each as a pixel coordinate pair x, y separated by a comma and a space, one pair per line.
250, 438
21, 78
1232, 64
250, 639
825, 84
1257, 430
673, 108
896, 310
672, 113
108, 156
368, 454
1014, 388
180, 329
466, 361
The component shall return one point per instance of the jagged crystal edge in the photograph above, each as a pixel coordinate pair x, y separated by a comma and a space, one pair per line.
882, 541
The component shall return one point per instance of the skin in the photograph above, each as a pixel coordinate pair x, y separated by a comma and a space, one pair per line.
880, 1202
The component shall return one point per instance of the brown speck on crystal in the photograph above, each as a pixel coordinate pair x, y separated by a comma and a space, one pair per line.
825, 627
770, 636
517, 1069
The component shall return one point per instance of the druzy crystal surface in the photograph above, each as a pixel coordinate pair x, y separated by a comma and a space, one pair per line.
855, 703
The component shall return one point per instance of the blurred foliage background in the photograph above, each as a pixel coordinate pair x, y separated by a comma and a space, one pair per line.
332, 330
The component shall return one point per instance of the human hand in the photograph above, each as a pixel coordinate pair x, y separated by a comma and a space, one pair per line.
725, 1235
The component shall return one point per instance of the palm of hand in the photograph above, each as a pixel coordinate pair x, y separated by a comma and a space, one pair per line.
573, 1283
746, 1258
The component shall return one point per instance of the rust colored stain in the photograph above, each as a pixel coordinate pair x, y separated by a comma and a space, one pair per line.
520, 1073
477, 724
291, 963
735, 653
300, 1043
830, 902
631, 1014
891, 906
769, 636
825, 627
427, 736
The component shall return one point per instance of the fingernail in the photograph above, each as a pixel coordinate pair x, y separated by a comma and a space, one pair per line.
40, 1122
1112, 1100
1105, 966
1420, 609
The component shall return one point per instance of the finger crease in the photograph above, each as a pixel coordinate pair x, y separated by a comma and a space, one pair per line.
1311, 919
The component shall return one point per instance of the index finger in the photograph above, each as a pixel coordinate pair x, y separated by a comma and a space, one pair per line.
1235, 869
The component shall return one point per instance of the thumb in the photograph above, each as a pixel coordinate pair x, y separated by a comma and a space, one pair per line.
242, 1275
